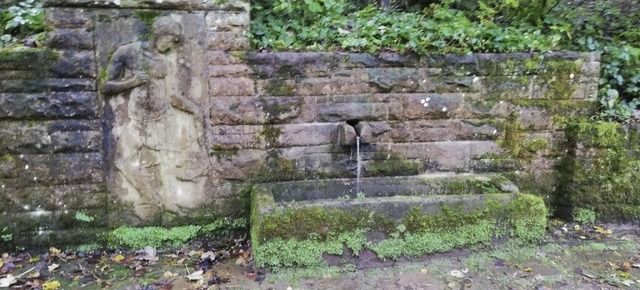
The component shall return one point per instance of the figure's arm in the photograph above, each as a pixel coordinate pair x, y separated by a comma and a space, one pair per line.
183, 103
114, 84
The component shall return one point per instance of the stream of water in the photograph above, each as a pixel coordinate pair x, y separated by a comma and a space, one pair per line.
358, 165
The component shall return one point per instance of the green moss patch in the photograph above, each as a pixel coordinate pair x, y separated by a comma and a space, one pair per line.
602, 173
300, 235
391, 164
137, 238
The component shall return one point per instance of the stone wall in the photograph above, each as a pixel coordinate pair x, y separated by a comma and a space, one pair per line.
276, 116
50, 142
265, 117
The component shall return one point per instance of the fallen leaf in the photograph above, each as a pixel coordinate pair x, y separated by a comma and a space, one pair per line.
241, 261
423, 270
54, 251
538, 277
35, 274
211, 255
576, 228
456, 273
624, 275
195, 276
168, 274
627, 282
528, 269
1, 263
118, 258
147, 254
53, 267
602, 230
614, 266
7, 281
626, 266
51, 285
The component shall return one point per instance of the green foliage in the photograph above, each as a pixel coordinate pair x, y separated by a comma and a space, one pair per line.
83, 217
22, 19
6, 235
584, 216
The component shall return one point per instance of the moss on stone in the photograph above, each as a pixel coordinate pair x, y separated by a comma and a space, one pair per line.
274, 109
512, 136
148, 17
276, 168
560, 77
601, 174
137, 238
536, 144
279, 87
223, 153
270, 135
300, 236
391, 164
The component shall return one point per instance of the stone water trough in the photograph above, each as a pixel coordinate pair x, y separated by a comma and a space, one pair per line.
326, 222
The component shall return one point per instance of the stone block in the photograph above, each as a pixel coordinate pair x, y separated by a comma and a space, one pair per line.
60, 17
439, 130
453, 84
507, 87
236, 70
49, 105
21, 74
74, 64
333, 86
446, 156
237, 164
228, 21
262, 110
231, 87
399, 80
276, 87
68, 197
429, 106
51, 169
227, 40
47, 85
29, 138
375, 107
228, 137
70, 38
307, 134
218, 57
37, 59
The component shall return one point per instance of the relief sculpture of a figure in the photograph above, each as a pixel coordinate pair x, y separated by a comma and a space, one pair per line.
159, 161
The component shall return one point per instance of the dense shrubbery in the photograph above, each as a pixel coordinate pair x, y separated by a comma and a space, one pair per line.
459, 26
22, 19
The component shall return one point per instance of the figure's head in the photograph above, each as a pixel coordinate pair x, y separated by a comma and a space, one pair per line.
166, 33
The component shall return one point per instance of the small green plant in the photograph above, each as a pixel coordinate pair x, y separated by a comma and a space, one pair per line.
83, 217
584, 216
5, 235
22, 19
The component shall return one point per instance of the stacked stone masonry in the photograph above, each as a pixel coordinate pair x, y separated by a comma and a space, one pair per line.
269, 116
